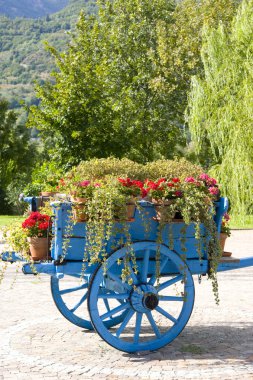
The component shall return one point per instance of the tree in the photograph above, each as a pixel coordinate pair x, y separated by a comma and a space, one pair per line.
121, 88
16, 154
221, 110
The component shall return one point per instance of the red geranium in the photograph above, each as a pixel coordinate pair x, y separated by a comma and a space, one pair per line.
37, 224
132, 188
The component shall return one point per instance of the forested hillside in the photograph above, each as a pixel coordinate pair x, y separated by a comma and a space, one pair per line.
30, 8
23, 58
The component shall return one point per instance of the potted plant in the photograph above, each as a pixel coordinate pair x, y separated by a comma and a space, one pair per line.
81, 193
225, 232
36, 228
163, 194
132, 190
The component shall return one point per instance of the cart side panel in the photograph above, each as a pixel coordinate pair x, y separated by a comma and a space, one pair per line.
70, 237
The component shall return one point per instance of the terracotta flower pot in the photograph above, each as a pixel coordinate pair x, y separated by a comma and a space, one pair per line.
223, 238
78, 211
162, 211
47, 193
131, 206
38, 248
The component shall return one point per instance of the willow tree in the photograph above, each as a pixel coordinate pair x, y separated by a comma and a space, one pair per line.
221, 108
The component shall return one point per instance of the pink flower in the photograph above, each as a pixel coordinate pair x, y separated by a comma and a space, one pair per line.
190, 180
213, 190
204, 177
84, 183
97, 185
208, 180
212, 181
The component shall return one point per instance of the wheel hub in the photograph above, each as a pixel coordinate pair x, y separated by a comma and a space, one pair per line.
150, 301
144, 298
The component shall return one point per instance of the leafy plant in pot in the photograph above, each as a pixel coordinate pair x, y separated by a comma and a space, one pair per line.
164, 194
81, 192
36, 227
132, 190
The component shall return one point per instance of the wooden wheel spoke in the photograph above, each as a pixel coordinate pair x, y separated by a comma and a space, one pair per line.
118, 280
153, 324
171, 298
107, 305
79, 303
118, 296
125, 322
132, 274
144, 268
75, 289
170, 282
166, 314
162, 265
115, 310
137, 327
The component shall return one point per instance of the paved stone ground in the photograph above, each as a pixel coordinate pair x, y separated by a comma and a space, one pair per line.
36, 342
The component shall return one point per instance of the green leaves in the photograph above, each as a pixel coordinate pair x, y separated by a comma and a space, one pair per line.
221, 112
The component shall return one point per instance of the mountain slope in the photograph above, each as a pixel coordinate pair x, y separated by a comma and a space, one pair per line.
23, 58
30, 8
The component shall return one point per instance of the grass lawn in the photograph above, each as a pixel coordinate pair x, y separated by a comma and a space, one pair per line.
5, 220
238, 222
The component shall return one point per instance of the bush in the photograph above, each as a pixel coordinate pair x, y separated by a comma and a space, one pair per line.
99, 168
172, 168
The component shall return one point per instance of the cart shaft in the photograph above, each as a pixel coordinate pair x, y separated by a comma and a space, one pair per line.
231, 263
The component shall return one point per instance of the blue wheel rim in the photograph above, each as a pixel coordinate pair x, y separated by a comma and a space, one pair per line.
75, 312
134, 311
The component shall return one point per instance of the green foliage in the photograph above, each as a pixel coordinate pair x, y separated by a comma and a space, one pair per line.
220, 110
44, 177
16, 238
17, 156
126, 73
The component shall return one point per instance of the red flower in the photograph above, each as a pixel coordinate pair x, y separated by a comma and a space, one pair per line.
161, 180
43, 226
126, 182
153, 185
175, 180
138, 183
36, 224
144, 192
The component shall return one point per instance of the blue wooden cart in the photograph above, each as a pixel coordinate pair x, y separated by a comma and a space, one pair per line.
146, 314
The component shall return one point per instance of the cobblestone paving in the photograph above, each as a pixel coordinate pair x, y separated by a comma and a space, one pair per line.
36, 342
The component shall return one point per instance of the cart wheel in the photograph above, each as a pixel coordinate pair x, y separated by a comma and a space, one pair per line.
156, 312
70, 297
